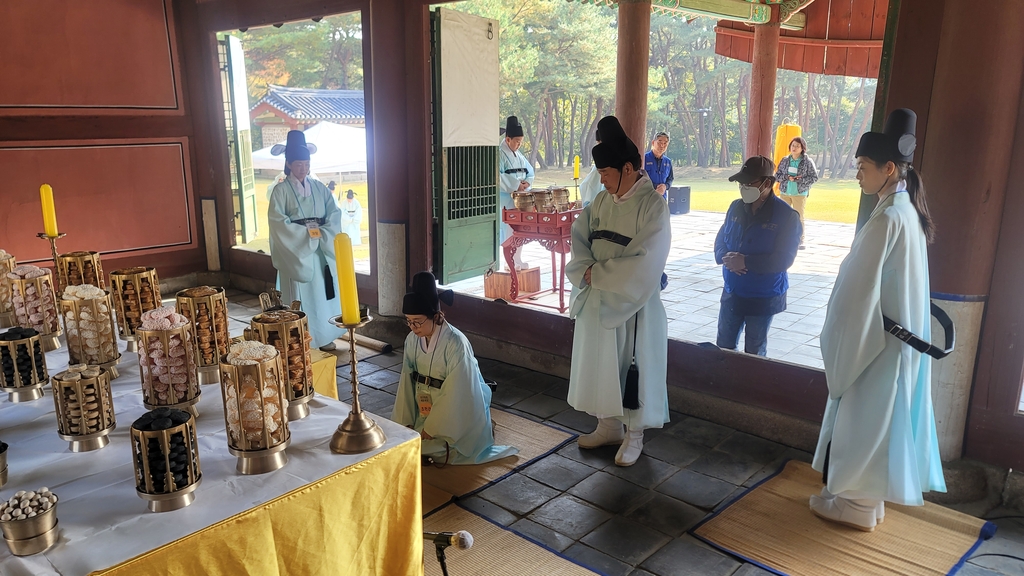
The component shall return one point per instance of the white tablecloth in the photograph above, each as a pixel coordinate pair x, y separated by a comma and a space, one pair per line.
102, 520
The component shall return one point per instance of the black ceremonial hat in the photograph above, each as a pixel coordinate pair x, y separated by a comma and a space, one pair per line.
513, 129
896, 142
425, 298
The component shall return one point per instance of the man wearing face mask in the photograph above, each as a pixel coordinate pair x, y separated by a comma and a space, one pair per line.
756, 245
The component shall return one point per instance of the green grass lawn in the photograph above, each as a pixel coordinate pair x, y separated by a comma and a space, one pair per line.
710, 191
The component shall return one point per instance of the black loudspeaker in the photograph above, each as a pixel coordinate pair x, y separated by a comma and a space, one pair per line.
679, 200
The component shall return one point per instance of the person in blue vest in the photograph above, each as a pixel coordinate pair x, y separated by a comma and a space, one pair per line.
658, 166
756, 245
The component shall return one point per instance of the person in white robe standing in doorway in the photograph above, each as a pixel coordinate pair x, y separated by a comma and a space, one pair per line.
515, 174
878, 441
352, 218
620, 244
304, 219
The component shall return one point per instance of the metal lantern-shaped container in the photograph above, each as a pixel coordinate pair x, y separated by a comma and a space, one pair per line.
77, 268
23, 363
90, 332
85, 407
255, 409
165, 455
35, 307
288, 331
7, 264
135, 291
207, 308
167, 363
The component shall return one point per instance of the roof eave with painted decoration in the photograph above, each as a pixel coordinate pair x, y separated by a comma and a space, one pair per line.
732, 10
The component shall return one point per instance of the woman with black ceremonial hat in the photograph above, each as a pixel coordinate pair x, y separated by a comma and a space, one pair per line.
441, 393
620, 244
304, 219
878, 441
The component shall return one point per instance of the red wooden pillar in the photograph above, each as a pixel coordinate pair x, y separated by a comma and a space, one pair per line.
634, 53
762, 86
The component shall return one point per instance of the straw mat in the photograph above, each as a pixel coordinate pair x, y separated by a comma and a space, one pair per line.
772, 525
496, 551
533, 440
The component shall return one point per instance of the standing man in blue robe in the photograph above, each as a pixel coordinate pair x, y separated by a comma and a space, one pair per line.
515, 174
441, 393
878, 441
304, 219
756, 246
620, 244
658, 166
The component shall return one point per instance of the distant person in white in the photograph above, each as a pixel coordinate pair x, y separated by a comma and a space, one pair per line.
352, 217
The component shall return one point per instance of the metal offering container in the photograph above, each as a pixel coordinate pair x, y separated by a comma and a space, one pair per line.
560, 195
3, 464
167, 365
165, 455
255, 409
35, 307
7, 317
90, 332
85, 407
77, 268
23, 364
523, 201
30, 533
135, 291
543, 200
288, 331
207, 308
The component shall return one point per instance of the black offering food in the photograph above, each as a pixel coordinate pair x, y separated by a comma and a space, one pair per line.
24, 354
177, 454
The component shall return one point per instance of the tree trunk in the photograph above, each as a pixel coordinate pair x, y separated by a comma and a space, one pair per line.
723, 157
549, 128
741, 120
847, 145
572, 128
864, 124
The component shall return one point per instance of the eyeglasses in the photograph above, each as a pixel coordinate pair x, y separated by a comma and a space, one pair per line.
415, 324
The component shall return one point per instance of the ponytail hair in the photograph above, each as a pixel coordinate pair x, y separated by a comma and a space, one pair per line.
918, 197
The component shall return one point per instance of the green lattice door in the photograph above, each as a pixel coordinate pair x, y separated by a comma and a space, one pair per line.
236, 118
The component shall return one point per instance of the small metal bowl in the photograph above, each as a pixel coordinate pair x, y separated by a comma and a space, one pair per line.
32, 535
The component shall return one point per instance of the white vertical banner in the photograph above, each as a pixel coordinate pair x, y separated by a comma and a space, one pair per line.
469, 80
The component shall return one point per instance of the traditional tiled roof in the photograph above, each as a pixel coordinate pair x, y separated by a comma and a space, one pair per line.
316, 104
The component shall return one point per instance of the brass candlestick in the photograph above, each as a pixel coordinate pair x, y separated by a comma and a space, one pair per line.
358, 433
62, 283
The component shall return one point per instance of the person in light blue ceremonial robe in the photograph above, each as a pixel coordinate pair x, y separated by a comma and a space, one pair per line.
441, 393
352, 218
591, 185
620, 244
515, 174
304, 219
878, 441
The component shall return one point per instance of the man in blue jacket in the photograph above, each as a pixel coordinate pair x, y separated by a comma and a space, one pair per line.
756, 245
658, 166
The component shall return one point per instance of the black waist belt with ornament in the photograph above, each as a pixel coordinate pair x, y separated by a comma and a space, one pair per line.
610, 236
418, 378
517, 170
303, 221
920, 345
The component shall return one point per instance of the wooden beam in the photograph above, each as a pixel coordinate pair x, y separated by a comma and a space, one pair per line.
794, 40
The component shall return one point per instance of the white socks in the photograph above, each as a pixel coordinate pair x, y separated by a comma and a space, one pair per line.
609, 431
632, 446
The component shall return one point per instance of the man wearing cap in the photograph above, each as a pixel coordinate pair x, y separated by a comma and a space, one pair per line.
658, 166
756, 245
515, 175
620, 244
304, 219
441, 393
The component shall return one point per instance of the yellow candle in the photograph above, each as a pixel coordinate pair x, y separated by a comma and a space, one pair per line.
346, 279
576, 167
49, 214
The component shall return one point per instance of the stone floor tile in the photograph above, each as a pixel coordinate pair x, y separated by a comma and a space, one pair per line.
684, 557
700, 432
599, 561
559, 390
774, 466
696, 489
538, 382
724, 466
575, 420
542, 534
391, 389
559, 472
667, 515
377, 402
508, 395
608, 492
594, 457
379, 379
501, 372
751, 570
625, 540
1009, 540
488, 510
541, 406
386, 360
672, 450
648, 472
519, 494
570, 516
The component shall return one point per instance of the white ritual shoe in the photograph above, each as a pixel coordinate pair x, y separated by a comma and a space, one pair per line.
845, 512
609, 431
879, 508
632, 446
517, 260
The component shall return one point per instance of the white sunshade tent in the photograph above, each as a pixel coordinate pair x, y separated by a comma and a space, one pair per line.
338, 149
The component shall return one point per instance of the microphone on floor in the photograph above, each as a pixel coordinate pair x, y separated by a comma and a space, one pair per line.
461, 540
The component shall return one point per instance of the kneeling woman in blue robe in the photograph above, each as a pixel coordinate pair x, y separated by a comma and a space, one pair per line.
442, 394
